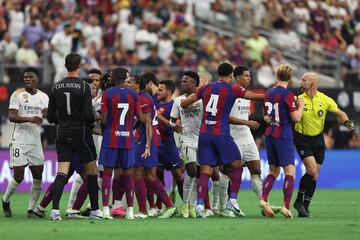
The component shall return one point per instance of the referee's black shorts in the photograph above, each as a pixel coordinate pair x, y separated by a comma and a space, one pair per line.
308, 146
77, 141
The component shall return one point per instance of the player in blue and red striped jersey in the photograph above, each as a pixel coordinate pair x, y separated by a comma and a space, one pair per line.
216, 146
119, 105
146, 166
169, 158
280, 112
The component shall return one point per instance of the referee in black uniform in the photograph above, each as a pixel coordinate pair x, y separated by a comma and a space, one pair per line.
309, 140
70, 108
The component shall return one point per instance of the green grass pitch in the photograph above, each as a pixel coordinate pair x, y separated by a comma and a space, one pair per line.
335, 215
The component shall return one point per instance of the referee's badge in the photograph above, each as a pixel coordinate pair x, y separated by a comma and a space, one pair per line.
320, 113
25, 96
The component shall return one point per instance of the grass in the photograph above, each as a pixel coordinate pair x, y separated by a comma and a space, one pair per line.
335, 215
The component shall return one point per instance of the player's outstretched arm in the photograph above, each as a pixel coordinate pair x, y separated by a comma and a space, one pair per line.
251, 124
189, 100
254, 96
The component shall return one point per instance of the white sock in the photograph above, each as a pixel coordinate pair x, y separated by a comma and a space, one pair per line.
223, 192
256, 184
74, 189
34, 193
193, 197
11, 188
216, 192
188, 187
120, 203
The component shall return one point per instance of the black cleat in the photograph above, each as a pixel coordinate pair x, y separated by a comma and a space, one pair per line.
6, 209
30, 214
300, 208
39, 213
86, 212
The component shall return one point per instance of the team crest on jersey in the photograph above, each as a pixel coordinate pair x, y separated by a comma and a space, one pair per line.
25, 96
320, 113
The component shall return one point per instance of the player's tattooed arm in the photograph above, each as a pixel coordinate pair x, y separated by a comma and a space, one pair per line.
250, 123
14, 117
189, 100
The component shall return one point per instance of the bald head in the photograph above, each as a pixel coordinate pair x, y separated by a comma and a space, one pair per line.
310, 80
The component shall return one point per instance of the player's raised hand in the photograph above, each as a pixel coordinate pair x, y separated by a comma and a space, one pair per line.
36, 120
253, 124
146, 153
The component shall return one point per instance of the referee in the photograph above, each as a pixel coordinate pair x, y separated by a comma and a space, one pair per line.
308, 137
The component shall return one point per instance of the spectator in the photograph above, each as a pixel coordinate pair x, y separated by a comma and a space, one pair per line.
92, 32
165, 47
255, 45
33, 32
319, 17
286, 40
17, 21
127, 31
25, 55
9, 47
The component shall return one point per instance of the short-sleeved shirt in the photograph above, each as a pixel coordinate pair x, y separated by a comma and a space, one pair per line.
279, 103
314, 114
147, 106
218, 99
28, 105
121, 104
166, 132
190, 121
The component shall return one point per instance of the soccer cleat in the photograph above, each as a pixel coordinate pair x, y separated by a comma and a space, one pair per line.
169, 212
185, 210
30, 214
208, 212
266, 209
227, 213
74, 214
118, 212
276, 209
55, 215
96, 215
39, 213
300, 208
216, 211
129, 213
153, 212
141, 215
234, 207
192, 212
6, 209
106, 214
86, 212
286, 213
200, 211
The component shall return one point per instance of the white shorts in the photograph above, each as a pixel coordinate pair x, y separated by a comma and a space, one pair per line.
189, 155
26, 154
249, 152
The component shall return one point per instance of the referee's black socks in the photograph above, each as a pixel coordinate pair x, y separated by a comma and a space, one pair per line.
306, 188
93, 189
58, 187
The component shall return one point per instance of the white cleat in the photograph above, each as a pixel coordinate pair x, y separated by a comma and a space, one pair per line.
141, 215
74, 214
208, 213
97, 215
200, 212
55, 215
185, 210
227, 213
233, 206
153, 212
130, 213
106, 214
169, 212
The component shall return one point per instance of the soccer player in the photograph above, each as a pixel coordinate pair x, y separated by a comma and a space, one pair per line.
147, 165
280, 107
28, 106
216, 146
169, 158
71, 110
309, 140
119, 105
152, 86
190, 119
240, 131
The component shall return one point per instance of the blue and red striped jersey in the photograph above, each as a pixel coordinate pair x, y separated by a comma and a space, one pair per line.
166, 132
218, 99
279, 103
121, 104
146, 106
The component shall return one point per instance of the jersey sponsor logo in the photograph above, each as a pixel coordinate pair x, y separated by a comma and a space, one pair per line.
122, 133
68, 85
320, 113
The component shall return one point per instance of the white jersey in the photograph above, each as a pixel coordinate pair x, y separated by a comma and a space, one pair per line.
241, 133
190, 121
28, 106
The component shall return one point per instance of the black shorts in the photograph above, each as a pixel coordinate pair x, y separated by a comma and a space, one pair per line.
308, 146
79, 142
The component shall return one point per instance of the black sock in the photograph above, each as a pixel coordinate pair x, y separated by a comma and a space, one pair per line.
305, 184
93, 189
58, 187
309, 194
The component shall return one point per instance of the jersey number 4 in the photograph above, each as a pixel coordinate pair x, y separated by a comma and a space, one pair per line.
211, 107
271, 107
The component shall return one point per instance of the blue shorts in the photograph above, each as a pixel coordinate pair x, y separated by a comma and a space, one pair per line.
217, 150
149, 162
280, 152
117, 158
169, 156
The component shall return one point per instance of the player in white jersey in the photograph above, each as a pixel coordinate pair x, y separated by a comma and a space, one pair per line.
190, 123
240, 131
28, 106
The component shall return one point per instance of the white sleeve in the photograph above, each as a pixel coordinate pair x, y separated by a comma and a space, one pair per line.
175, 113
233, 110
14, 101
46, 101
55, 39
